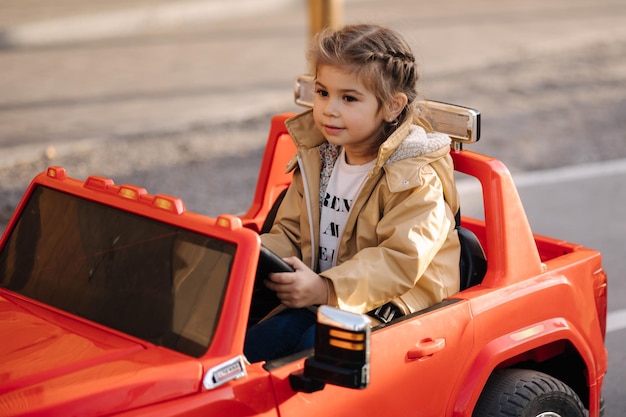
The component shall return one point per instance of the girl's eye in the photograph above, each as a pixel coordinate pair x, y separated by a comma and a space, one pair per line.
350, 99
321, 93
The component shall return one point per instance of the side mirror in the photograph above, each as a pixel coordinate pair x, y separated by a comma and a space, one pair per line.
342, 352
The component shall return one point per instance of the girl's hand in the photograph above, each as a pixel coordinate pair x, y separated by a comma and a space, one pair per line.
302, 288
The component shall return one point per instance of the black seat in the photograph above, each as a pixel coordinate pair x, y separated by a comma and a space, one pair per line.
473, 262
271, 215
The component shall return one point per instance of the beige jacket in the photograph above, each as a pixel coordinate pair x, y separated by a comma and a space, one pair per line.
400, 243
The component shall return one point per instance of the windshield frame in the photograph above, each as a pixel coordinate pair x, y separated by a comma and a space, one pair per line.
244, 243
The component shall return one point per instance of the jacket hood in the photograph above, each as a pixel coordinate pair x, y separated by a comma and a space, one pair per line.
418, 143
408, 141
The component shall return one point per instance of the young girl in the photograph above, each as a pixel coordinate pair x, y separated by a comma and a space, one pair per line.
368, 221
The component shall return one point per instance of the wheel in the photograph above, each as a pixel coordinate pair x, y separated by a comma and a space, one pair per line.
265, 300
527, 393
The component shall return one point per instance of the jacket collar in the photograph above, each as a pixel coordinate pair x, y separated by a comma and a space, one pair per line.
302, 129
407, 141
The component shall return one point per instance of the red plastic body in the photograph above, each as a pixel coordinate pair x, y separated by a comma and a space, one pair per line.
541, 303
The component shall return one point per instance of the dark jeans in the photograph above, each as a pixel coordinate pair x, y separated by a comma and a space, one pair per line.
290, 331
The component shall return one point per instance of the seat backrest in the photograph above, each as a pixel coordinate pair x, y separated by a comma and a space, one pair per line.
271, 215
473, 262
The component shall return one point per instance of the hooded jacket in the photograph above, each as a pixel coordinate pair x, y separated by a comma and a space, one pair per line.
399, 243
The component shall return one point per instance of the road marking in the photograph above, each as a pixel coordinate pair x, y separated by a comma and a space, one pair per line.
466, 185
616, 320
570, 173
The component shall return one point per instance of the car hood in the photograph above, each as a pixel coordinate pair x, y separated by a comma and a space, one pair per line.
53, 363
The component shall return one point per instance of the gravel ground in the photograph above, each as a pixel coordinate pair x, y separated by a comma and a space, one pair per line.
559, 105
551, 110
188, 165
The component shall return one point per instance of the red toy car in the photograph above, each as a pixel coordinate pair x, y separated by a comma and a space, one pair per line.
114, 301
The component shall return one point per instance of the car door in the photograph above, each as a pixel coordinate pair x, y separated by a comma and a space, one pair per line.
415, 365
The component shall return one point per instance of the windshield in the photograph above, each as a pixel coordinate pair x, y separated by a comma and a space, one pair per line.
148, 279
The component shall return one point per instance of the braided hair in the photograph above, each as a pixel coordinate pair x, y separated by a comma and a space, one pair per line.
378, 56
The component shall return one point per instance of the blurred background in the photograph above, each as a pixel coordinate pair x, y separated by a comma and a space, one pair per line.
177, 96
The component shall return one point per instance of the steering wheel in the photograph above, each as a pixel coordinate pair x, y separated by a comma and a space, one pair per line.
270, 262
265, 300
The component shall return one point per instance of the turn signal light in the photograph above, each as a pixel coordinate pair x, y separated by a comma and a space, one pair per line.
56, 172
128, 193
168, 203
131, 192
228, 221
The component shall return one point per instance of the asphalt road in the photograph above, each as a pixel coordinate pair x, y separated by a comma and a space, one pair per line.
177, 95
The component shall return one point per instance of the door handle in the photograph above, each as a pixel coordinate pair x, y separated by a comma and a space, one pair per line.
426, 348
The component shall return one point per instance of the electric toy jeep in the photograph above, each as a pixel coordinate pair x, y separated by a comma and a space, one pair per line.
115, 301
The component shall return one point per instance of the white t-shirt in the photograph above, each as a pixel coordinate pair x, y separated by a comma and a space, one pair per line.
343, 187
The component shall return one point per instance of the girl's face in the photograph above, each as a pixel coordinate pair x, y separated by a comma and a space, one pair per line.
347, 114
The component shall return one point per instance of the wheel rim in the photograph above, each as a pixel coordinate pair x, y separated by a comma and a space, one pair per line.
548, 414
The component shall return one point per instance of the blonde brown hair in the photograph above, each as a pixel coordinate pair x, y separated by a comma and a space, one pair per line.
378, 56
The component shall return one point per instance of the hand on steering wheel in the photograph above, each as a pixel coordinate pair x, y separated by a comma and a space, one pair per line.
264, 299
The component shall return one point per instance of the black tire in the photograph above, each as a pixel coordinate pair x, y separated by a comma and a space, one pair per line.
527, 393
